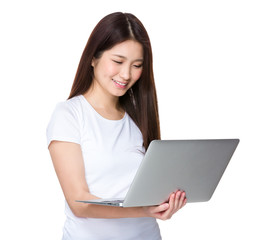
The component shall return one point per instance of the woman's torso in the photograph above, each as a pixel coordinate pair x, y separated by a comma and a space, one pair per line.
112, 152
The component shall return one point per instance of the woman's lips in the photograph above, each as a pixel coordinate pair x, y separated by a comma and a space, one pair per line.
119, 84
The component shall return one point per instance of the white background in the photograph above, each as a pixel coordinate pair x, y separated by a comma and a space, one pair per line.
213, 63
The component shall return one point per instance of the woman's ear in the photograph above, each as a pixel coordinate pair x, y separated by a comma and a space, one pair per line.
93, 62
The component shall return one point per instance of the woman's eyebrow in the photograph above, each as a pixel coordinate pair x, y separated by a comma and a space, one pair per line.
120, 56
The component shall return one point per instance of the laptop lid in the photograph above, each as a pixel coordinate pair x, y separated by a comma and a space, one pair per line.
195, 166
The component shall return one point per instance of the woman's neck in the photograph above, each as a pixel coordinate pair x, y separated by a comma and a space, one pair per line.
106, 105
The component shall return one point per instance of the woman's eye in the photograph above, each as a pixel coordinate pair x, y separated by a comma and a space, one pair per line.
118, 62
138, 66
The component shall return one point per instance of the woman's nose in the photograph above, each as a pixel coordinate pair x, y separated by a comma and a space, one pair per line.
125, 73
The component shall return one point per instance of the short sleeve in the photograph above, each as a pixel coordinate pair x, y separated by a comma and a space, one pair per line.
63, 125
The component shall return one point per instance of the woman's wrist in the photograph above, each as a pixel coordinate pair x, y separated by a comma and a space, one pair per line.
137, 212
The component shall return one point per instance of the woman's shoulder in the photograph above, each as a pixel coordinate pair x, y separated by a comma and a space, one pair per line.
70, 106
65, 122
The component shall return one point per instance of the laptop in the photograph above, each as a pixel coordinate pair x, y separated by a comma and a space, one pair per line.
195, 166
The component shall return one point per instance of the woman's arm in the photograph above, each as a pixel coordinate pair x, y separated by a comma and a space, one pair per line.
69, 166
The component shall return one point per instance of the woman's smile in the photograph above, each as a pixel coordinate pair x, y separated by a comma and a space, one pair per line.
120, 84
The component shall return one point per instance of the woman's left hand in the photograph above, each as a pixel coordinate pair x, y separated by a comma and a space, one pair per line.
176, 201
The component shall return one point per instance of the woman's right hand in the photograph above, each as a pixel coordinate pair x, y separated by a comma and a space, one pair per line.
166, 210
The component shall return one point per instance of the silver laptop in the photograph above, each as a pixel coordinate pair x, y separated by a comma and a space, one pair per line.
195, 166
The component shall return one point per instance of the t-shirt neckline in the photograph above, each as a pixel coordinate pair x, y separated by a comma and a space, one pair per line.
100, 116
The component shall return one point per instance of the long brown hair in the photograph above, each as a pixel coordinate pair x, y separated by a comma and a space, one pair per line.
140, 102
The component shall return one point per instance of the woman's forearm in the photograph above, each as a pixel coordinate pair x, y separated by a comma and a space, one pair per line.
164, 211
86, 210
100, 211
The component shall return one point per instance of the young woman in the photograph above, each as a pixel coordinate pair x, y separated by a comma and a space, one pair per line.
98, 137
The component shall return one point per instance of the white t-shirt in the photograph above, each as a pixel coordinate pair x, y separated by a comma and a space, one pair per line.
112, 151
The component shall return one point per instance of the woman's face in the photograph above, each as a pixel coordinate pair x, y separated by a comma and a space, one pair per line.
118, 68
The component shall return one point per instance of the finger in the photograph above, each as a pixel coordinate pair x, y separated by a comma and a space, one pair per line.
178, 195
160, 208
169, 213
184, 202
181, 202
